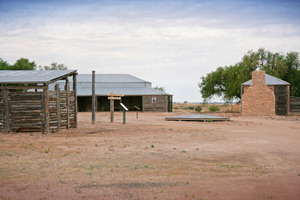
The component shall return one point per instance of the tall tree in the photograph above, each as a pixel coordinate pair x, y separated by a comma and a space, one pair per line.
23, 64
292, 76
4, 65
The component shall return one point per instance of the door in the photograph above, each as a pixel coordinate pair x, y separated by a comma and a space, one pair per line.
281, 100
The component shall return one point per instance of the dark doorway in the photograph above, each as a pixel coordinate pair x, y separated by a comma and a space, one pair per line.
129, 101
281, 100
170, 104
84, 104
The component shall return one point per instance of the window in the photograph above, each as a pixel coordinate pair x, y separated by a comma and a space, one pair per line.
153, 99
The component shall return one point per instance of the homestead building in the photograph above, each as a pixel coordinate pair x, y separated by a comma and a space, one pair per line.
265, 95
137, 93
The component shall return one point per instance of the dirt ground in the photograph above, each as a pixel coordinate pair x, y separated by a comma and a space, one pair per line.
150, 158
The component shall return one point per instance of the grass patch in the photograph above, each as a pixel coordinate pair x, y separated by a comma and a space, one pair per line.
198, 109
47, 150
213, 108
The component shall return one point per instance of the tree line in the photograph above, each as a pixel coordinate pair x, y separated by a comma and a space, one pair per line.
226, 81
25, 64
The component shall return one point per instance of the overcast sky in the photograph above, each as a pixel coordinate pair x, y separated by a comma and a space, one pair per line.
171, 43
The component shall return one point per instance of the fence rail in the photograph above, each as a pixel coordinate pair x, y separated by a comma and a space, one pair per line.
295, 104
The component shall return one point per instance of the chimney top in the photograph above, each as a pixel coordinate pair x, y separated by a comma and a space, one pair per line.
258, 78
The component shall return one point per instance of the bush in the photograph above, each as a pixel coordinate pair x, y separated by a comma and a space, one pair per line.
198, 109
188, 108
213, 108
191, 107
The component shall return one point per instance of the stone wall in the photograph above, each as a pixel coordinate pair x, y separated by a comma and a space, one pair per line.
258, 99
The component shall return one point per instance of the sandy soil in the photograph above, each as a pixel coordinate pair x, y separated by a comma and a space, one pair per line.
150, 158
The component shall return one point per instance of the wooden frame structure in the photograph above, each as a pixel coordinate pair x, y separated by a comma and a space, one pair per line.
27, 104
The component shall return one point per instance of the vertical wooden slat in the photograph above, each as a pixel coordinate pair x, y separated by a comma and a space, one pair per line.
6, 124
112, 110
46, 109
58, 110
75, 96
67, 88
143, 103
93, 98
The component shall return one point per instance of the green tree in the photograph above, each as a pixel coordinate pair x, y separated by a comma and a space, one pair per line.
54, 66
23, 64
292, 76
226, 81
4, 65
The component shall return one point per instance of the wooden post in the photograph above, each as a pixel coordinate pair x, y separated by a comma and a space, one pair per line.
93, 98
58, 110
113, 97
46, 109
112, 108
67, 88
6, 124
75, 96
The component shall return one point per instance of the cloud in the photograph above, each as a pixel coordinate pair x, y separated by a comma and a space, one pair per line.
169, 43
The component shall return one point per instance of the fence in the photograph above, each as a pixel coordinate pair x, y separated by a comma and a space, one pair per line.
295, 104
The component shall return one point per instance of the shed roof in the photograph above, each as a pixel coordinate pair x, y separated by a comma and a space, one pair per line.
270, 80
109, 78
128, 91
33, 76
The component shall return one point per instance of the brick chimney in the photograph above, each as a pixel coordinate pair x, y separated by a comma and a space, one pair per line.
258, 99
258, 78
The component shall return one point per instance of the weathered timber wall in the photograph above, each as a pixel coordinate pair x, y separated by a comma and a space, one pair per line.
161, 104
25, 111
1, 112
59, 116
295, 104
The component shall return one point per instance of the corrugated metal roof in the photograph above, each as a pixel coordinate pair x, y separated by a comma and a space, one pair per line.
137, 91
270, 80
115, 78
32, 76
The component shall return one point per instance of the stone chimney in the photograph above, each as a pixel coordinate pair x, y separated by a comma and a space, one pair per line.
258, 78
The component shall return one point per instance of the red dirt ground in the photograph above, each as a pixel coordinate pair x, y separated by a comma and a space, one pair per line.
150, 158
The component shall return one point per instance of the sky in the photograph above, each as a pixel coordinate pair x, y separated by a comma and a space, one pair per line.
171, 43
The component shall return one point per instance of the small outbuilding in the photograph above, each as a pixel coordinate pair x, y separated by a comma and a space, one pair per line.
265, 95
27, 103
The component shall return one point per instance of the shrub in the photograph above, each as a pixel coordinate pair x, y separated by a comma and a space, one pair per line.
198, 109
213, 108
191, 107
188, 108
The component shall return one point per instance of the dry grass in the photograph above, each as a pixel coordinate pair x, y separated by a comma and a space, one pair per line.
224, 108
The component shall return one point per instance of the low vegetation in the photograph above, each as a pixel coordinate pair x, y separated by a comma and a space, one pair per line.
214, 109
205, 108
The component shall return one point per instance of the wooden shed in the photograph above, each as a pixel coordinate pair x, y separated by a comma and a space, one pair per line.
265, 95
27, 104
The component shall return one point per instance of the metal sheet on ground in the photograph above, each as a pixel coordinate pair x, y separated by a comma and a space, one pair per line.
197, 117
